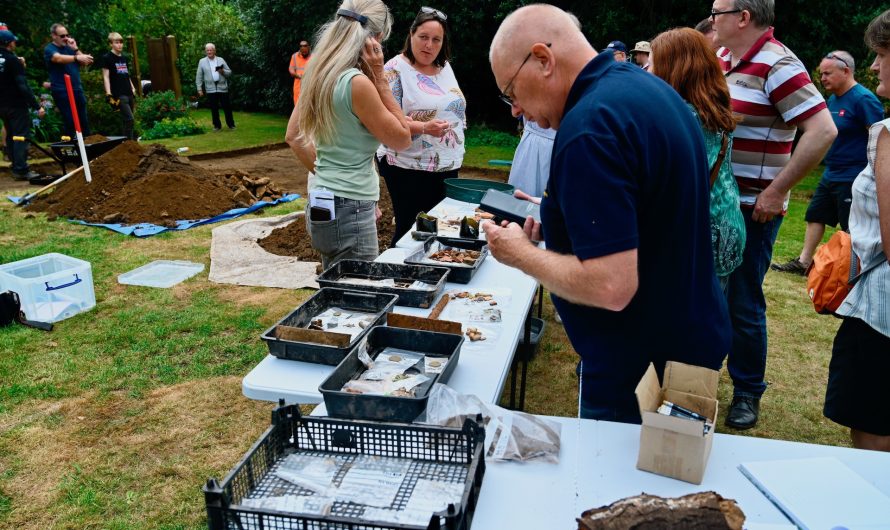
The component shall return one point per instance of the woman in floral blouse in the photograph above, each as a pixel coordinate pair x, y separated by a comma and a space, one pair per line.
424, 85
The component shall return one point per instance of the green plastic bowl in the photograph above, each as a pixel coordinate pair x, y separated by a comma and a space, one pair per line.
472, 190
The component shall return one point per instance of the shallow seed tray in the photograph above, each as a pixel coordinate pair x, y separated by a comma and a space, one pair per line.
458, 273
438, 453
378, 303
342, 404
161, 273
373, 270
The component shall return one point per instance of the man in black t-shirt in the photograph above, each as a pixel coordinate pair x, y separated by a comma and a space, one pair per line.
119, 90
15, 99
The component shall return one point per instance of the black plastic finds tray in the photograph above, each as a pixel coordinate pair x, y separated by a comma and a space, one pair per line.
342, 404
457, 274
378, 303
438, 453
70, 152
374, 270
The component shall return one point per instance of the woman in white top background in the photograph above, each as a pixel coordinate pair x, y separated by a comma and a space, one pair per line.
424, 85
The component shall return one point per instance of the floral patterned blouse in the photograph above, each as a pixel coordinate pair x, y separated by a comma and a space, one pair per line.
425, 98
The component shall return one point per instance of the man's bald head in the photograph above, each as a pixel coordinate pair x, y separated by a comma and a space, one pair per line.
530, 24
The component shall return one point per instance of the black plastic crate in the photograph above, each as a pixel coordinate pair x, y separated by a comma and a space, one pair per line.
374, 270
433, 452
342, 404
457, 274
378, 303
526, 351
70, 152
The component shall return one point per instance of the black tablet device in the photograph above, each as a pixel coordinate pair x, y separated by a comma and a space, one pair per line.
506, 206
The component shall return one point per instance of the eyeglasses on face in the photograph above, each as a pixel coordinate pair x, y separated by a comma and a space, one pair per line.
839, 58
503, 95
715, 13
435, 12
65, 36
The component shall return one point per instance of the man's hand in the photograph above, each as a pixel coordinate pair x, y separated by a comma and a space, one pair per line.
41, 113
768, 205
509, 243
200, 93
84, 59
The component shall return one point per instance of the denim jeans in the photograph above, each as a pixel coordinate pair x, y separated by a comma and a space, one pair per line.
61, 99
747, 308
352, 235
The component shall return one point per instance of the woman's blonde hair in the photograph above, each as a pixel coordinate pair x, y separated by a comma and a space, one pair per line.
338, 47
113, 36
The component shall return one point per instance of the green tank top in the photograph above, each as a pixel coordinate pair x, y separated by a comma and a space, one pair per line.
346, 165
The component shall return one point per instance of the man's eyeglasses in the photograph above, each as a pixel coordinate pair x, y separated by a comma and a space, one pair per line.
503, 95
715, 13
435, 12
65, 36
839, 58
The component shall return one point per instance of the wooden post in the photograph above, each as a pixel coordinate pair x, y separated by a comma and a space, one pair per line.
173, 56
131, 45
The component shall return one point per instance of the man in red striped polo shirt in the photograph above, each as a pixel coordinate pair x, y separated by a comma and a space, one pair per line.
775, 96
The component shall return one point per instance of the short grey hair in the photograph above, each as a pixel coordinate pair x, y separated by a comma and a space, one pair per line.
210, 45
763, 12
54, 27
845, 58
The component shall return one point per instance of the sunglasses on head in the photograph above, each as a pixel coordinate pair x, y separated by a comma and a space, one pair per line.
838, 58
435, 12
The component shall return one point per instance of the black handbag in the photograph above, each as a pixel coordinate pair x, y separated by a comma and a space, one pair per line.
11, 311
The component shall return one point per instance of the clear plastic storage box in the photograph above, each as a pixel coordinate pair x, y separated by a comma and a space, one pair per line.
52, 287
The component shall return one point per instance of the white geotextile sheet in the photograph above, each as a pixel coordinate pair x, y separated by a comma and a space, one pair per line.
237, 258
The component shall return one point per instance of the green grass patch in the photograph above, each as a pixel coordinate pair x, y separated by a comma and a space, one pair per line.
253, 129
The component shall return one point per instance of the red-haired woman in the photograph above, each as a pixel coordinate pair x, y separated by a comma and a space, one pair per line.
684, 59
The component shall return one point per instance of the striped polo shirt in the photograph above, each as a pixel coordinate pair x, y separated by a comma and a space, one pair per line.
772, 92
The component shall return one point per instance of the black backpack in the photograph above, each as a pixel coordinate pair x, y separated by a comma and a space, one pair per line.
11, 311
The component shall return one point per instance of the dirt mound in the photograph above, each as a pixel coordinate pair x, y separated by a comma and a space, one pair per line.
150, 184
94, 139
293, 239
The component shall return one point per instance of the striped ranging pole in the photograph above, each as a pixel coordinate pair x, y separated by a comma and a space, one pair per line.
74, 115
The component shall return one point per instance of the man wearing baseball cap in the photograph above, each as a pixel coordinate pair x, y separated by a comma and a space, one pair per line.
617, 49
640, 54
15, 99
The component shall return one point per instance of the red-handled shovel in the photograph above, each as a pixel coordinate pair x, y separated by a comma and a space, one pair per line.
74, 115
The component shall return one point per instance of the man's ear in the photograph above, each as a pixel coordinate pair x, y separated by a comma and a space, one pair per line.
543, 54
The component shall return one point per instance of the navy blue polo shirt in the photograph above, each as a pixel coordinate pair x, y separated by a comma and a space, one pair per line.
629, 171
853, 113
57, 71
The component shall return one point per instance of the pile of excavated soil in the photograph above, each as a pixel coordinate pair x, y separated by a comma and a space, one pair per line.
293, 239
150, 184
93, 139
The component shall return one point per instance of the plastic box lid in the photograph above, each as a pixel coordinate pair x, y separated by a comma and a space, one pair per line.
161, 273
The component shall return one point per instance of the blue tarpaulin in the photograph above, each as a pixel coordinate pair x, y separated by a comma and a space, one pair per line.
148, 229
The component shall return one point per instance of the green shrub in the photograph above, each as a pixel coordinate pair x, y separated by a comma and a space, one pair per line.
482, 136
167, 128
159, 106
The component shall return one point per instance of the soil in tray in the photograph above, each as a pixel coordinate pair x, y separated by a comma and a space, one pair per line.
150, 184
93, 139
293, 239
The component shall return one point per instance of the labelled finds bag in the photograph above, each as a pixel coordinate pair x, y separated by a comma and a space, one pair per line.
829, 276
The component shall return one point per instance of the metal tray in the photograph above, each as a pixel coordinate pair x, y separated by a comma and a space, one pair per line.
379, 303
69, 151
457, 274
436, 276
342, 404
441, 453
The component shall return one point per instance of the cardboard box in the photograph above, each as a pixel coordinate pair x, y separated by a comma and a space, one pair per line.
671, 446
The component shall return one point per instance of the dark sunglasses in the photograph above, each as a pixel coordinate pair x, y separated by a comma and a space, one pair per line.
65, 36
715, 13
435, 12
503, 95
838, 58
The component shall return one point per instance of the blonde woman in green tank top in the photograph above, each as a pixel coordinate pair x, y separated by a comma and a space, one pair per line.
346, 110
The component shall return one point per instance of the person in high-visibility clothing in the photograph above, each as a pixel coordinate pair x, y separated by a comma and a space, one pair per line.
297, 66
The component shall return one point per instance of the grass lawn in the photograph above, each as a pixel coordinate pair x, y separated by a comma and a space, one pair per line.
116, 418
253, 129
